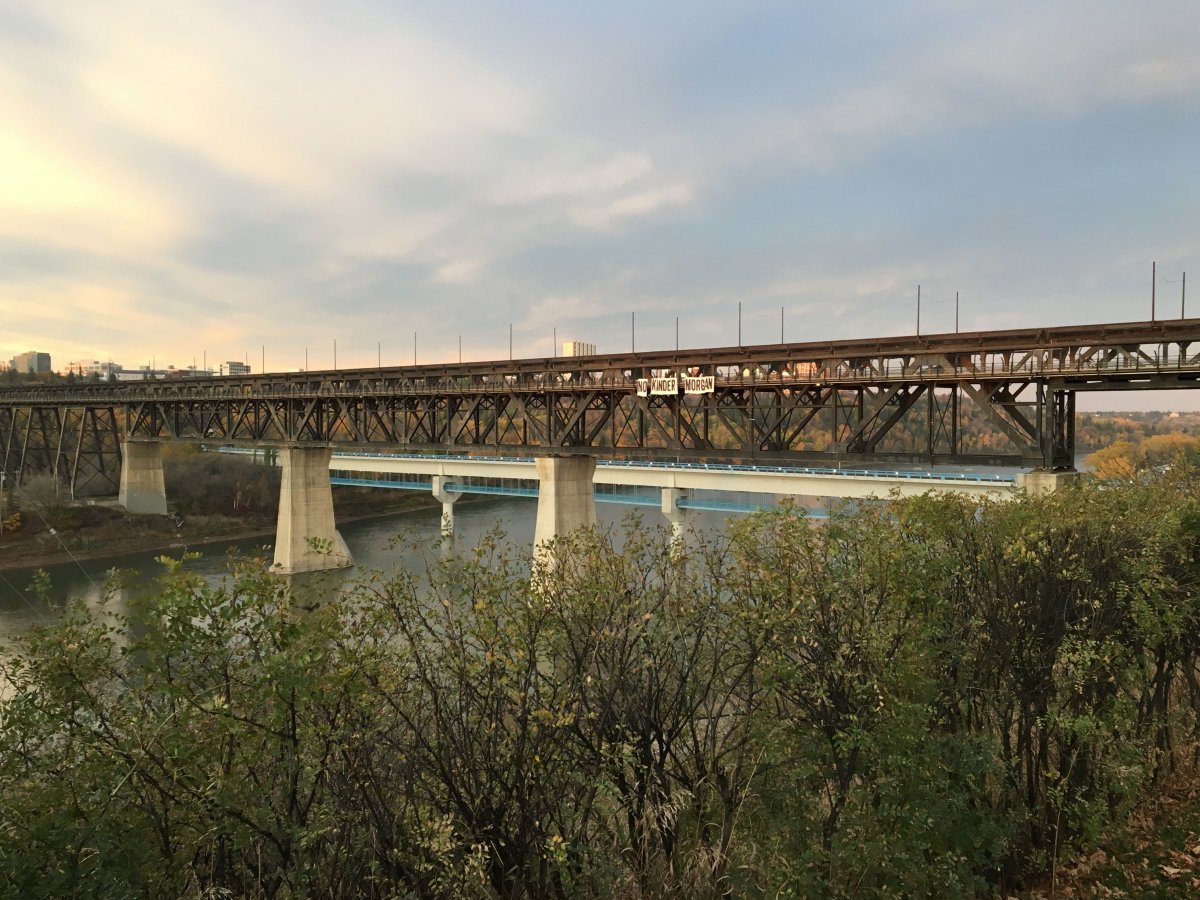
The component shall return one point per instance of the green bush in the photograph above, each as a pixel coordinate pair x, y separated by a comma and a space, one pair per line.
924, 697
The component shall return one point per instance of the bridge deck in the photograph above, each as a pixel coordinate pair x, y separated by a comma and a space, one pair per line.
1088, 357
781, 480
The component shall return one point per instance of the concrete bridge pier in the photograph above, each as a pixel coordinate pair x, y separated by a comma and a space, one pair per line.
143, 489
446, 498
674, 513
1044, 481
306, 538
566, 496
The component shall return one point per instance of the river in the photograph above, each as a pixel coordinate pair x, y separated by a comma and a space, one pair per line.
403, 540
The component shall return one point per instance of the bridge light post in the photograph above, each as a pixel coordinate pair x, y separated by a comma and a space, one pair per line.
1182, 293
918, 310
956, 312
1153, 285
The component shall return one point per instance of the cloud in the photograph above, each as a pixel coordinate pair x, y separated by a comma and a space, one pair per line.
600, 195
634, 205
565, 179
978, 65
562, 309
313, 109
54, 190
459, 271
1063, 59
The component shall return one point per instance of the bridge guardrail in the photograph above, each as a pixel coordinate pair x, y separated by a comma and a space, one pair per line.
888, 372
973, 477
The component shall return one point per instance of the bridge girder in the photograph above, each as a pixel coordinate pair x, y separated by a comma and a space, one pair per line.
827, 422
79, 446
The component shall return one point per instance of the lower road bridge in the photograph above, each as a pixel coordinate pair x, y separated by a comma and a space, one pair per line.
673, 485
984, 398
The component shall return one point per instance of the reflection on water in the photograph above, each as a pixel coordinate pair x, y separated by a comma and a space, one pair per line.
402, 541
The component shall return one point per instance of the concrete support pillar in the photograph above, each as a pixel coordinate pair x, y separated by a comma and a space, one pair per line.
446, 498
306, 539
143, 489
1042, 481
675, 515
566, 497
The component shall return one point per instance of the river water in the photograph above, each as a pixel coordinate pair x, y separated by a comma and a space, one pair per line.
404, 540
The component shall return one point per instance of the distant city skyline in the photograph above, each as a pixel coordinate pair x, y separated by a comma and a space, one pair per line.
221, 178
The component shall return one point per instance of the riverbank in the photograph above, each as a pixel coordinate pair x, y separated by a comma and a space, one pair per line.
98, 532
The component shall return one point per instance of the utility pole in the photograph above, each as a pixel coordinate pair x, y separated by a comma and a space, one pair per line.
956, 312
739, 323
633, 332
781, 324
379, 354
510, 341
1183, 298
918, 310
460, 348
264, 359
335, 354
414, 348
677, 332
305, 359
1153, 284
554, 346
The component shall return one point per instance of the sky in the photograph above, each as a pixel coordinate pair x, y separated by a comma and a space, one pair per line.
229, 180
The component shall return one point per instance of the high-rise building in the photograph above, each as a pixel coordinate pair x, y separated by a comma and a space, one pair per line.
32, 362
233, 367
578, 348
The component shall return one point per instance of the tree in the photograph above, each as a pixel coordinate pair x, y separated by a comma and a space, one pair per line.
918, 697
1127, 460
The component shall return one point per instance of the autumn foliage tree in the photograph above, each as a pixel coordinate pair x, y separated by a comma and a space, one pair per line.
1128, 460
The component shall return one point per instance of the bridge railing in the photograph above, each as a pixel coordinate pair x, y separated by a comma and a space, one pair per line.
878, 371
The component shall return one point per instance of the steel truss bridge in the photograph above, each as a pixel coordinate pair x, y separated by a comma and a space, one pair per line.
889, 400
